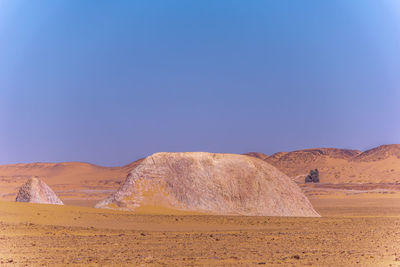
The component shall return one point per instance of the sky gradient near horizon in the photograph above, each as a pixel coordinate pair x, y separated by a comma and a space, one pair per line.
108, 82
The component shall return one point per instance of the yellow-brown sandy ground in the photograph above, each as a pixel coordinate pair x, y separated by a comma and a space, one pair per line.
360, 230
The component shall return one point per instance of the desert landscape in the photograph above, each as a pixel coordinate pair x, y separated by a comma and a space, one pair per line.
199, 133
158, 226
342, 172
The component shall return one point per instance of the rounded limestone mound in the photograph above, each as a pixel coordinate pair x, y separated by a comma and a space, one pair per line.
225, 184
37, 191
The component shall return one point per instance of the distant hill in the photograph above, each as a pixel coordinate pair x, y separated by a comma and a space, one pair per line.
377, 165
380, 153
257, 155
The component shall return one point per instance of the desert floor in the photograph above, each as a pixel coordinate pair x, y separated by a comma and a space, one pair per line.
354, 230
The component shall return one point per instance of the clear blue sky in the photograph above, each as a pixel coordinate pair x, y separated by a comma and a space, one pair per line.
108, 82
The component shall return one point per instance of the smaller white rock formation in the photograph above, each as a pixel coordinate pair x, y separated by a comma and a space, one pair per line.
36, 191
